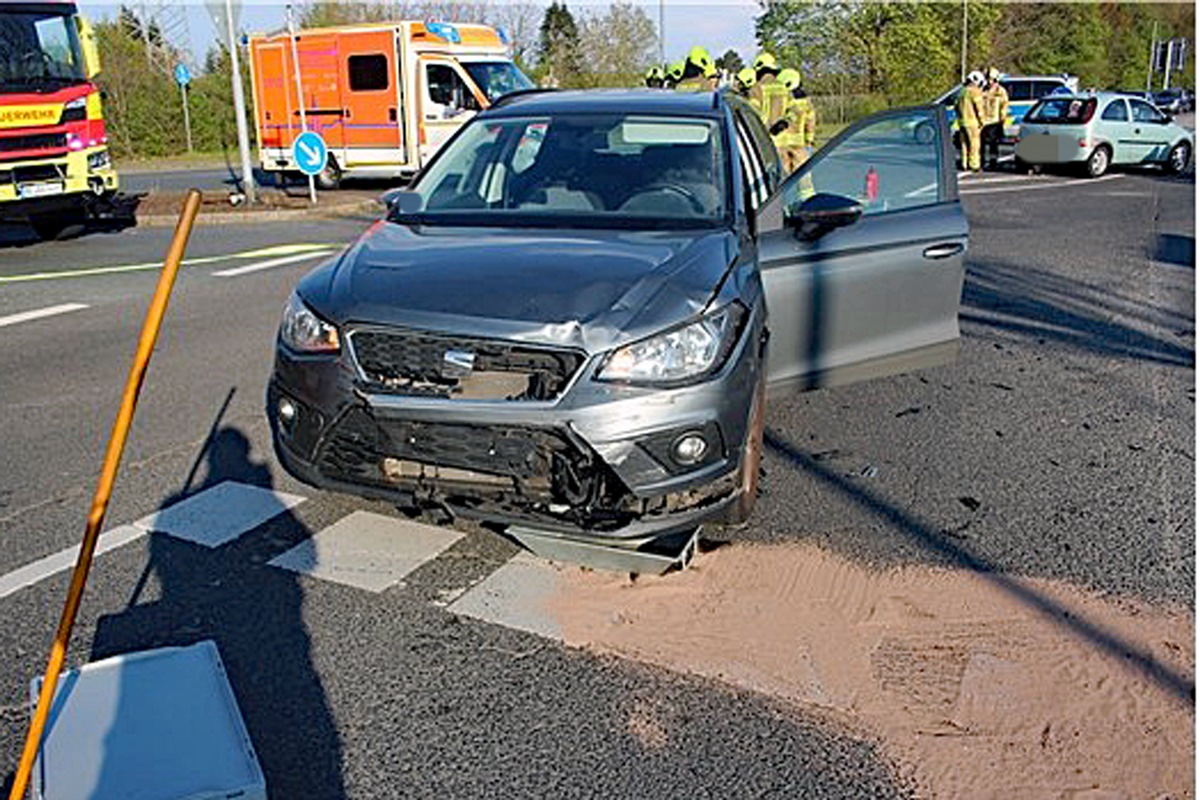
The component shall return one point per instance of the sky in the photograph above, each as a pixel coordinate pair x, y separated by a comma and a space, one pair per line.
715, 24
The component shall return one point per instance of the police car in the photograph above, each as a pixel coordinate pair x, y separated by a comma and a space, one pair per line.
1023, 92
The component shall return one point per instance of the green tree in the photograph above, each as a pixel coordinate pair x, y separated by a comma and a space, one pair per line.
730, 61
142, 107
558, 45
616, 47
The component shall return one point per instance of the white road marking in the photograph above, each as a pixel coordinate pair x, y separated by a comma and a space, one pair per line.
988, 181
515, 596
367, 551
220, 514
1054, 185
261, 252
64, 560
41, 313
274, 262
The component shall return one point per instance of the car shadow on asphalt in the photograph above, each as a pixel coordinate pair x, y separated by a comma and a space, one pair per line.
1025, 300
941, 543
254, 613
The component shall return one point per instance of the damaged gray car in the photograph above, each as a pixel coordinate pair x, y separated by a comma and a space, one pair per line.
573, 318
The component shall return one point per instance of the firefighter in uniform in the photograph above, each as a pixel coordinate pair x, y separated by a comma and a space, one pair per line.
698, 72
744, 81
674, 75
969, 107
788, 131
766, 68
655, 78
995, 113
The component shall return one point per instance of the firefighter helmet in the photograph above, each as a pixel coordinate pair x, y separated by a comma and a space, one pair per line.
765, 62
790, 79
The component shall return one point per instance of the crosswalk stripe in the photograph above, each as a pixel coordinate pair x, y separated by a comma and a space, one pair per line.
220, 514
517, 595
367, 551
40, 313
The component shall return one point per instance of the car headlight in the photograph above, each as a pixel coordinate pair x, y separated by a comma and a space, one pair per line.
305, 332
679, 355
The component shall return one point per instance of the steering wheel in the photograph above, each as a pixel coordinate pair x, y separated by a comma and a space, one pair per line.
679, 189
36, 58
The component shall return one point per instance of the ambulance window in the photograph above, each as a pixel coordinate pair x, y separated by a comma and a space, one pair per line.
368, 73
447, 88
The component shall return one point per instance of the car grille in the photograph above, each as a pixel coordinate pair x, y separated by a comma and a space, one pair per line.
357, 446
414, 363
36, 141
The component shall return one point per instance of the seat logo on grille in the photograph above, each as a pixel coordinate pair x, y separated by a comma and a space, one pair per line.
457, 363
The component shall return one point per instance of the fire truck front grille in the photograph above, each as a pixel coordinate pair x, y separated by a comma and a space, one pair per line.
37, 172
33, 141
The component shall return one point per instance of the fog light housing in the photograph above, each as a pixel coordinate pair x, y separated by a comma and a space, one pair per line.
287, 412
689, 449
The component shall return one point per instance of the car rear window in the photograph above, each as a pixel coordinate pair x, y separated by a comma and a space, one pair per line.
1063, 111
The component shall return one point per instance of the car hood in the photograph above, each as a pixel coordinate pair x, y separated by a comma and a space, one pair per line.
591, 289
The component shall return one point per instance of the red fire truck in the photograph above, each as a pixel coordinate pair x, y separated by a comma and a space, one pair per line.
54, 162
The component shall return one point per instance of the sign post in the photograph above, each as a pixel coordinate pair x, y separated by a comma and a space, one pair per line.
183, 77
225, 16
312, 181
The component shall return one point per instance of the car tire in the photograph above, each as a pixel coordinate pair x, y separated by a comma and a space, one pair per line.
1098, 162
1025, 168
58, 226
739, 510
330, 177
1179, 158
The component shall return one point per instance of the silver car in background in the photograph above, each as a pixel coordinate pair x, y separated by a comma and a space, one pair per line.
1096, 131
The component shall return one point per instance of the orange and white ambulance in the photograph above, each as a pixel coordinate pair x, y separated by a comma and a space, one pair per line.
384, 96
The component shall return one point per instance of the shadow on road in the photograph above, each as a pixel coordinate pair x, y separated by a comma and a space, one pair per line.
940, 542
254, 614
1040, 304
1172, 248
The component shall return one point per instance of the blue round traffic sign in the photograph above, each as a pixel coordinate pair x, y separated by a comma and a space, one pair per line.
310, 153
183, 76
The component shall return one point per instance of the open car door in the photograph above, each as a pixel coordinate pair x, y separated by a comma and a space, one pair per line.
861, 255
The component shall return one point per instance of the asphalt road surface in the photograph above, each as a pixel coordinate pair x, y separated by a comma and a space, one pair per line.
1060, 444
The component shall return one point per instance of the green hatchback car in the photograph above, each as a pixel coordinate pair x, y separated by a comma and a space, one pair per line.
1097, 130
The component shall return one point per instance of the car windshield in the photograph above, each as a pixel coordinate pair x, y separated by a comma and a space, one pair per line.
497, 78
39, 50
1063, 110
589, 170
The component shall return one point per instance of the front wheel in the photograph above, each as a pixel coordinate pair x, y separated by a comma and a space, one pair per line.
58, 225
1098, 161
331, 176
742, 507
1179, 158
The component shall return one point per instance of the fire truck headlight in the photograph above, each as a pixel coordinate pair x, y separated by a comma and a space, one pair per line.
74, 110
99, 160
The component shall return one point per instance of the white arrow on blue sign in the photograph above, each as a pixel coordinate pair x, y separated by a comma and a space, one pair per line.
310, 153
183, 76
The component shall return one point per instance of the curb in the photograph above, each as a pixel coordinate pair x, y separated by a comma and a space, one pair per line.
275, 215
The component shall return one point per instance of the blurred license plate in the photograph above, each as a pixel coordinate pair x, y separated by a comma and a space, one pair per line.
1038, 147
40, 189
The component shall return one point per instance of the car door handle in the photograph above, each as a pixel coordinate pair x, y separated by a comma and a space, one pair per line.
943, 250
1137, 130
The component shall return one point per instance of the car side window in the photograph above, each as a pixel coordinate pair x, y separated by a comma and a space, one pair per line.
752, 167
1144, 112
1042, 88
1116, 112
890, 164
772, 166
1018, 90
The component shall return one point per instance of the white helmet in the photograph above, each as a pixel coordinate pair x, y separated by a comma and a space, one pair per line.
976, 78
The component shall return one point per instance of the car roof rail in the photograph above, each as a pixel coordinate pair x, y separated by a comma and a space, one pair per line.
505, 99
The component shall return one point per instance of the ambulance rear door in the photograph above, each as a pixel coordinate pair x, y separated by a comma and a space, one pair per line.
320, 75
372, 113
274, 98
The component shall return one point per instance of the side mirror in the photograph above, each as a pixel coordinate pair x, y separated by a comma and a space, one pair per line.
821, 213
401, 201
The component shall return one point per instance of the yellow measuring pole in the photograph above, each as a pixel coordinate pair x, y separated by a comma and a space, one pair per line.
108, 474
